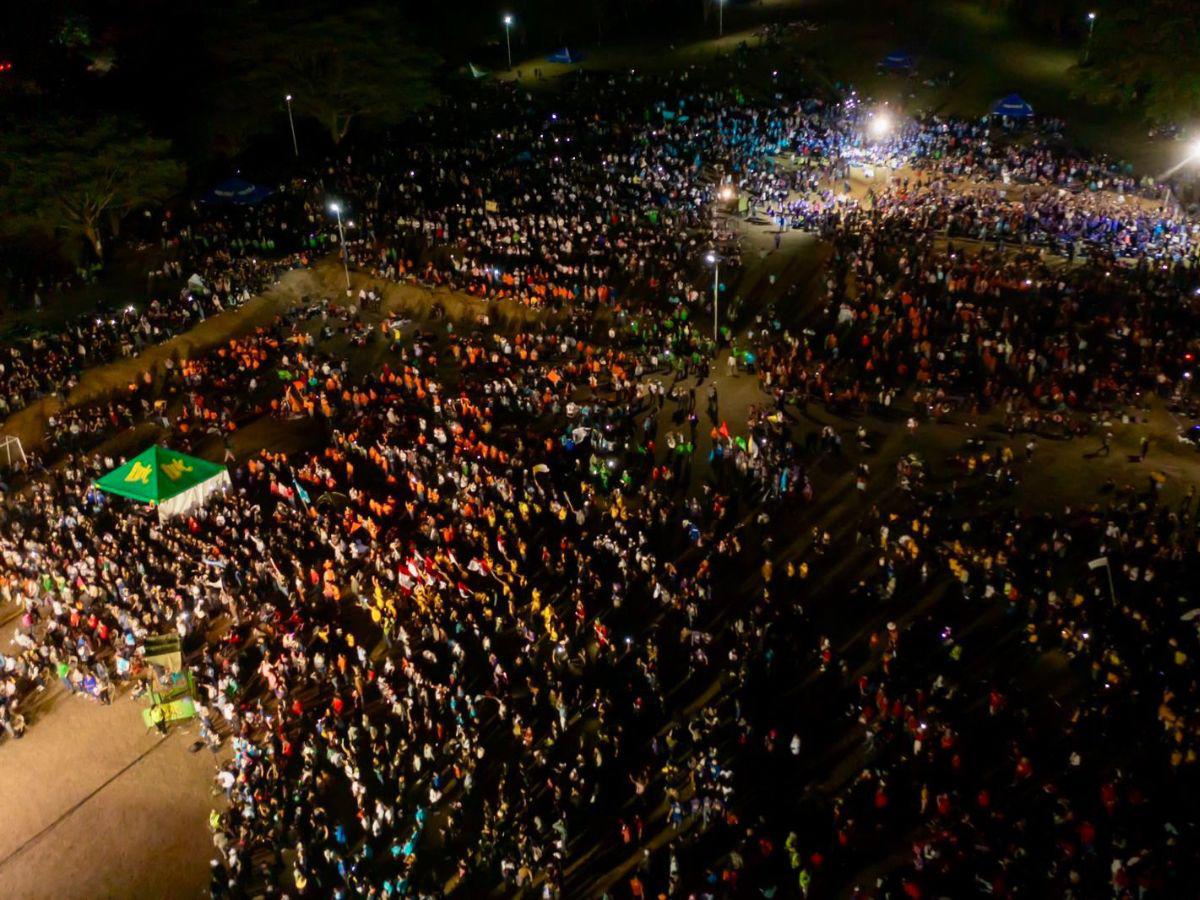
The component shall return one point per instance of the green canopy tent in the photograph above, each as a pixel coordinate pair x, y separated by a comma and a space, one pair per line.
173, 482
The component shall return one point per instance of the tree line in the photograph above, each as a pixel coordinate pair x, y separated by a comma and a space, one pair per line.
72, 174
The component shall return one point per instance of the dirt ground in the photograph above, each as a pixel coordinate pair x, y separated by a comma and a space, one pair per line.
94, 806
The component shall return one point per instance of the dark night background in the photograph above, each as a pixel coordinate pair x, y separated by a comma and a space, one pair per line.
169, 57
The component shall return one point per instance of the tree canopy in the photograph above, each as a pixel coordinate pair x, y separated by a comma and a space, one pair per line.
339, 68
71, 178
1145, 55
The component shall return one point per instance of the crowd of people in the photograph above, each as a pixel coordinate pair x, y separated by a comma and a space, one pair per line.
538, 606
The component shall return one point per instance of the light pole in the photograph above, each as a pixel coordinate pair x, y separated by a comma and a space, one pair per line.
715, 261
508, 20
336, 209
1087, 48
720, 18
292, 125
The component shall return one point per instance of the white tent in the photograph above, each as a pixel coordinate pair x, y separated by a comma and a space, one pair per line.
196, 496
12, 454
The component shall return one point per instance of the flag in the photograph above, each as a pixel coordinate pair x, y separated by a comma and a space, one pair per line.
477, 71
301, 491
1100, 562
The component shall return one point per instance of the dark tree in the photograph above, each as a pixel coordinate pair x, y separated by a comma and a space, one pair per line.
1147, 55
70, 178
339, 68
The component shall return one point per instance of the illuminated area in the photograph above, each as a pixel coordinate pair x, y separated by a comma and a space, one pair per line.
880, 125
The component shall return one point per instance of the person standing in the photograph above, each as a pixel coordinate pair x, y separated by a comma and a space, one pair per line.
159, 719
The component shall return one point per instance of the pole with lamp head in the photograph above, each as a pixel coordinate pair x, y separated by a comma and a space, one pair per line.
714, 260
292, 125
336, 209
508, 20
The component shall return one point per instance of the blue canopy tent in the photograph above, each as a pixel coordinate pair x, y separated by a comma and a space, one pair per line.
237, 191
565, 55
1012, 107
898, 61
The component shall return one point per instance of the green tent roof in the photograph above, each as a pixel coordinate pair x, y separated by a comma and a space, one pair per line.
157, 474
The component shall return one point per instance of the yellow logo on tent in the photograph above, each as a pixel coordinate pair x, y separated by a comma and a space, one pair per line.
140, 472
175, 468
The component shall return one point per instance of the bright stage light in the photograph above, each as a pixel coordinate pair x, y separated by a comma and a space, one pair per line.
880, 125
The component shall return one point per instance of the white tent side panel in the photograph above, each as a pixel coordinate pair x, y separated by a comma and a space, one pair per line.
197, 495
12, 451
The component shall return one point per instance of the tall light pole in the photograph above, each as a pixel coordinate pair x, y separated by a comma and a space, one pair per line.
720, 18
715, 261
292, 125
1087, 48
508, 20
336, 209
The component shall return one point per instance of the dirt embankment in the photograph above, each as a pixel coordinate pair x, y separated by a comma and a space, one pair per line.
325, 280
103, 381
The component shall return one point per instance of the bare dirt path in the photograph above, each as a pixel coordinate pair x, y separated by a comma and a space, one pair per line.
29, 423
94, 806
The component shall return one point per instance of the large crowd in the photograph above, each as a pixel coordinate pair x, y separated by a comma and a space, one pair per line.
538, 606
